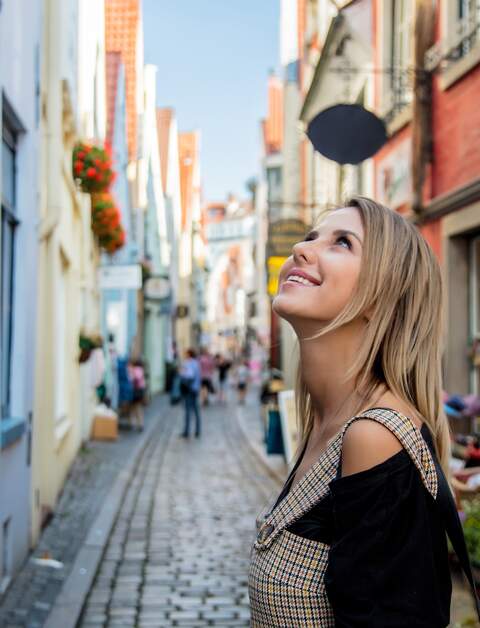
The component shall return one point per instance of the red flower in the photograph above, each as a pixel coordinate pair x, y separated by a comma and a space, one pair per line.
98, 176
78, 167
81, 154
91, 172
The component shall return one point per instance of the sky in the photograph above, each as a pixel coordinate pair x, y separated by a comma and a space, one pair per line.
213, 59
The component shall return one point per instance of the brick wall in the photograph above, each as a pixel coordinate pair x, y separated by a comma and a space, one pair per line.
456, 132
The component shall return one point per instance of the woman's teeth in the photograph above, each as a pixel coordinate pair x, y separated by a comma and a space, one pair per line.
302, 280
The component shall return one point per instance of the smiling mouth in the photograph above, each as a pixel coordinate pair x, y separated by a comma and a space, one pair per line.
303, 281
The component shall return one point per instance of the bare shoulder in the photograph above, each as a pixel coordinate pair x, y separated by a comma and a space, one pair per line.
367, 443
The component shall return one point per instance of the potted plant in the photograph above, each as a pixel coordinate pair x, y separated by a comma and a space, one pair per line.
87, 343
106, 222
92, 167
471, 528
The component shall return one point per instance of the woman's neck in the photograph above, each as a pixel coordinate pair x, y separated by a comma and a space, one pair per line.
325, 364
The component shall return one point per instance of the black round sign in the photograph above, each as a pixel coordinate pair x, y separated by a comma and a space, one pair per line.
347, 134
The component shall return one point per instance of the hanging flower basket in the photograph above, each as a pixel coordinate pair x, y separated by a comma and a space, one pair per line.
105, 214
106, 222
113, 240
92, 167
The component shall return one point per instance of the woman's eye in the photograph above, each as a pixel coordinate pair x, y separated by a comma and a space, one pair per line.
344, 241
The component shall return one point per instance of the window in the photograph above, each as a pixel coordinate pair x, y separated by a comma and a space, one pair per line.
467, 26
9, 226
398, 52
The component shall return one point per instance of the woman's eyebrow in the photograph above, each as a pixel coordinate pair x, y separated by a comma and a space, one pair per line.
338, 232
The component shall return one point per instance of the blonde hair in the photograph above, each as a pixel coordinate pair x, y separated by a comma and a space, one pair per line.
400, 286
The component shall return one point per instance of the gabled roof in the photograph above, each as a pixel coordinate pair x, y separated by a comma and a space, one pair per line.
335, 25
188, 146
123, 34
273, 123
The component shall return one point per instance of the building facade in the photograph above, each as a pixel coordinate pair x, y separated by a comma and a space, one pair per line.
20, 43
157, 317
190, 198
71, 107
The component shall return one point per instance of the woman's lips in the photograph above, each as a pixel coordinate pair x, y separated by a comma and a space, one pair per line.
301, 278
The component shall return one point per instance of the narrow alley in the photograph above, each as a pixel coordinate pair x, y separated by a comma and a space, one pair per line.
178, 554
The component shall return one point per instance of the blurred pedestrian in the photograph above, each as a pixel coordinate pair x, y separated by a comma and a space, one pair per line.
207, 369
111, 372
190, 383
175, 390
243, 378
223, 366
136, 373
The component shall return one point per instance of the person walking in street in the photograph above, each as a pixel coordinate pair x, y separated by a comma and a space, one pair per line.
136, 373
190, 383
358, 535
111, 372
242, 377
223, 366
207, 369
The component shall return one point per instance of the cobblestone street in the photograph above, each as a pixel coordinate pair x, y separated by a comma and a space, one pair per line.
178, 555
178, 551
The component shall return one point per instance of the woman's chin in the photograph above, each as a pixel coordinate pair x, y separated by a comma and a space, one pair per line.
285, 307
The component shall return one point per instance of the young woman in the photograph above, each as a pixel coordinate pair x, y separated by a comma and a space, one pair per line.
357, 535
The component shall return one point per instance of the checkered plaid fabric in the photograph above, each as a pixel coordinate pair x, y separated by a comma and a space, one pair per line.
286, 581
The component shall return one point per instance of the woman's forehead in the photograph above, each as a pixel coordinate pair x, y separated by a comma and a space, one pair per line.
343, 218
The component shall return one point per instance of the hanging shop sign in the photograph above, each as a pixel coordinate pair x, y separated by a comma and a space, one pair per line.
157, 288
347, 133
120, 277
283, 234
274, 264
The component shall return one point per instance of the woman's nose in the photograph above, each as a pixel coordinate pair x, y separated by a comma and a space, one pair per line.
302, 252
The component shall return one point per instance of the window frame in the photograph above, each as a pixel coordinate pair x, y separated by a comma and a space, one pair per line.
458, 50
11, 131
397, 57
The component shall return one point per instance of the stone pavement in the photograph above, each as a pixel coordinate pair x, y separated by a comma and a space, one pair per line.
34, 590
179, 552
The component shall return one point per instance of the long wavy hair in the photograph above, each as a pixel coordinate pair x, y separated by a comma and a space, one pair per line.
400, 286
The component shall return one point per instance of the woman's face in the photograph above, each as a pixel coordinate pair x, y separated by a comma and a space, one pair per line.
318, 280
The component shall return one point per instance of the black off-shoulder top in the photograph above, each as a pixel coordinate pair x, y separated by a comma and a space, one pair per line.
388, 559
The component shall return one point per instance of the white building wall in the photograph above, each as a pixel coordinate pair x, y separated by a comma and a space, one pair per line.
19, 81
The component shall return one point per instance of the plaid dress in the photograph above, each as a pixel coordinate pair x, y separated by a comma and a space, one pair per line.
286, 582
